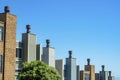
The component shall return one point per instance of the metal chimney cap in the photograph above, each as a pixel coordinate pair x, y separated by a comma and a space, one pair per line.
47, 43
103, 67
88, 61
28, 28
70, 54
6, 9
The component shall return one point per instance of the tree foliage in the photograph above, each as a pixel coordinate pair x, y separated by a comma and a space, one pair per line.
38, 70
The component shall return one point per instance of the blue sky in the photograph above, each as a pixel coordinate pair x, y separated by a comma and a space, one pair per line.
90, 28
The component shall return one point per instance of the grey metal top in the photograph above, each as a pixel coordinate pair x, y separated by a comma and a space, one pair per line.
6, 9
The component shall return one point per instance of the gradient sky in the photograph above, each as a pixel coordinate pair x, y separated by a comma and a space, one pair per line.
90, 28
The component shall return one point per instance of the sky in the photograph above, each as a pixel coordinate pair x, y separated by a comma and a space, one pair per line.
90, 28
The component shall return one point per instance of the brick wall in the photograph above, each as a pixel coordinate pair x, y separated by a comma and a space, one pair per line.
10, 45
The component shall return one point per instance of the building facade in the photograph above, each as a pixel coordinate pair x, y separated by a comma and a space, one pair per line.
48, 55
84, 75
27, 50
110, 77
60, 67
89, 72
70, 68
29, 45
19, 60
103, 74
38, 52
97, 76
91, 69
78, 72
7, 44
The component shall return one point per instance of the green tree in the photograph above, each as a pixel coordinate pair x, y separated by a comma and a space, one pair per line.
38, 70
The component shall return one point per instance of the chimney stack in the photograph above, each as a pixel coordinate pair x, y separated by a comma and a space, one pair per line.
110, 73
103, 68
28, 28
88, 61
47, 43
70, 54
6, 9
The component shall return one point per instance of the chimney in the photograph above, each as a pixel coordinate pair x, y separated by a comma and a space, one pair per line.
28, 28
70, 54
47, 43
110, 73
88, 61
103, 68
6, 9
